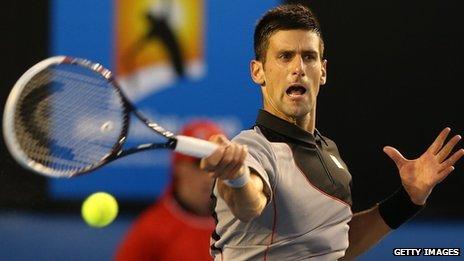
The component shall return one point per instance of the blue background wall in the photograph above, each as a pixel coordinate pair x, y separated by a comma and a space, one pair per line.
394, 79
225, 94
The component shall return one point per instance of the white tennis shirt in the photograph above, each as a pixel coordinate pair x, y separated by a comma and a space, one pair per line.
310, 206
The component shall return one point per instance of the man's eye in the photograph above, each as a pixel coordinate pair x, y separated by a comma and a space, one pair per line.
285, 56
309, 57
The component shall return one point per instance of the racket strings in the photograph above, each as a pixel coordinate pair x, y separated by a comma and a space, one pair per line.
69, 118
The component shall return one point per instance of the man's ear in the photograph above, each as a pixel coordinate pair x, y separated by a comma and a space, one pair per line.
324, 72
257, 72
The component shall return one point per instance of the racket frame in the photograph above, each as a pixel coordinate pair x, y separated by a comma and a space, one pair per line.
117, 150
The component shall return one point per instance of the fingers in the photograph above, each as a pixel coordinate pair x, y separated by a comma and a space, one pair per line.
227, 160
439, 141
229, 167
239, 158
444, 173
445, 151
212, 160
219, 139
232, 162
395, 155
452, 160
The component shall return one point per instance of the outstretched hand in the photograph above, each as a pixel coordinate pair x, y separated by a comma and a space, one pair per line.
228, 159
419, 176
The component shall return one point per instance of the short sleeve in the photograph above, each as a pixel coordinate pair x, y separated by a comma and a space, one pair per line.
261, 157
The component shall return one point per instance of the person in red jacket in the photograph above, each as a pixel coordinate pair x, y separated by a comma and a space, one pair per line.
179, 225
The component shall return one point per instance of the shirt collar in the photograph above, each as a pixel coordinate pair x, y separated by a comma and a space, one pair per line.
286, 129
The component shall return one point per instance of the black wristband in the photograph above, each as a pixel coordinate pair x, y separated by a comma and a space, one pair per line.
398, 208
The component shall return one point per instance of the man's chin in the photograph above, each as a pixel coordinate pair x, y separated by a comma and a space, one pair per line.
297, 113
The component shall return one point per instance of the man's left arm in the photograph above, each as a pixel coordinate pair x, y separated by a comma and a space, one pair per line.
367, 228
418, 177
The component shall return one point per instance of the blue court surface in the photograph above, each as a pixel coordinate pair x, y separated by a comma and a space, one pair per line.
38, 236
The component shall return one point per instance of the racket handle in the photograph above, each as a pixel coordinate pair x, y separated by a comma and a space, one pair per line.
194, 147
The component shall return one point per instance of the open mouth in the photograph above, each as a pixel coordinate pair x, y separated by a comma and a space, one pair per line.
296, 90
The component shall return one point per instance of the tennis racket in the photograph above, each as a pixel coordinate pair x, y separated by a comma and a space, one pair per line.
68, 116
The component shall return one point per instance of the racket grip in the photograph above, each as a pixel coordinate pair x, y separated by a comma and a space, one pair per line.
194, 147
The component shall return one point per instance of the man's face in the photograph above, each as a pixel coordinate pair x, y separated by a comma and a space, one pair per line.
291, 74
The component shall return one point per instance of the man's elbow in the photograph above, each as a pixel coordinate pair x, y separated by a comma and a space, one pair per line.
247, 216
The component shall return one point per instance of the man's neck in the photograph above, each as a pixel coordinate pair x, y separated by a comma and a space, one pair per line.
307, 123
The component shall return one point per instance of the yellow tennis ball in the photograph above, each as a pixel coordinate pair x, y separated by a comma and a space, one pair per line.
99, 209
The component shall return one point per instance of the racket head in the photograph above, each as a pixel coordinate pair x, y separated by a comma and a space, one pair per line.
64, 117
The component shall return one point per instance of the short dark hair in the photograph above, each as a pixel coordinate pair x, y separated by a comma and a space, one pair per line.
284, 17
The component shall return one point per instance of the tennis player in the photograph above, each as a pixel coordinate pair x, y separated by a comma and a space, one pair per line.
282, 190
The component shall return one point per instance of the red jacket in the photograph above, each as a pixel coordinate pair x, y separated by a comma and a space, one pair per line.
167, 232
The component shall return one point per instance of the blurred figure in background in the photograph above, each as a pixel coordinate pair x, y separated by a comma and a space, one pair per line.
179, 225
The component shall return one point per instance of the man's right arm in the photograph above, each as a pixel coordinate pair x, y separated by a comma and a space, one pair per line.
246, 202
227, 163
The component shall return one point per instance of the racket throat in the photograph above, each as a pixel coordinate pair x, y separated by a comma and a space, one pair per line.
171, 144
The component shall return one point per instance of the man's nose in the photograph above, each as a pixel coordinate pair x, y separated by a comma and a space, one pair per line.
298, 66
